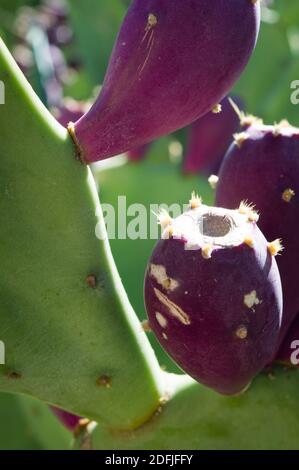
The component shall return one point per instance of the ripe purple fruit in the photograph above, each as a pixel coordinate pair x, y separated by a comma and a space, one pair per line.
69, 420
209, 139
172, 62
213, 295
262, 166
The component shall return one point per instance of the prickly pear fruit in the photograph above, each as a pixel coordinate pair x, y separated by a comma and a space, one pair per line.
213, 295
262, 166
172, 62
69, 420
288, 353
209, 139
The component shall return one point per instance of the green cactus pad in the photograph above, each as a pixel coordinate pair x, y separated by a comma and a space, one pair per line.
264, 417
70, 334
15, 430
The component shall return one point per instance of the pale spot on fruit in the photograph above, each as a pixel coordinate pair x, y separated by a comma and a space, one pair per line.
251, 299
158, 272
161, 320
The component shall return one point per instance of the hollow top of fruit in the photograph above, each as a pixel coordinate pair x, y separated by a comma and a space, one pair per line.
216, 227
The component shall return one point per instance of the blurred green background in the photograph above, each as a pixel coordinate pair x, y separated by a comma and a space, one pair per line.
63, 47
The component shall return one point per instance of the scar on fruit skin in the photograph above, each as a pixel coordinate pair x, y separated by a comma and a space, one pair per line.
172, 308
251, 299
149, 32
158, 272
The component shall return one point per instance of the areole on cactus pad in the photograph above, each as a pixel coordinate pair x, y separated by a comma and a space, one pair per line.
172, 62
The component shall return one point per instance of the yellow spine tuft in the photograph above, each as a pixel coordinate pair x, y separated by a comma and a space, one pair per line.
275, 247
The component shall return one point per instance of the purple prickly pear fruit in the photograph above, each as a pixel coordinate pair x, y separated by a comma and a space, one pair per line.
288, 353
69, 420
213, 295
262, 166
138, 153
172, 62
209, 139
